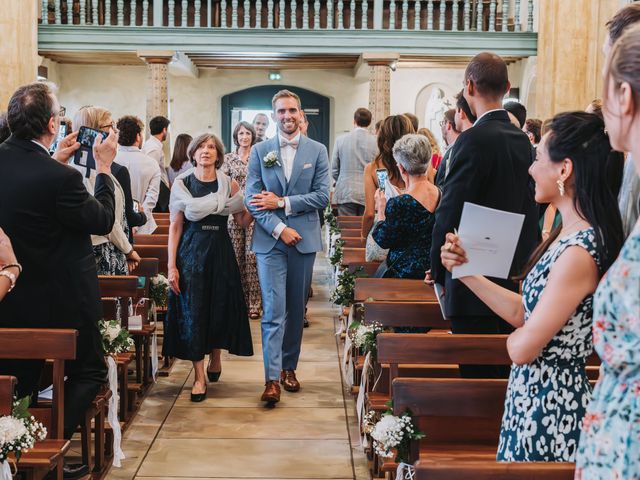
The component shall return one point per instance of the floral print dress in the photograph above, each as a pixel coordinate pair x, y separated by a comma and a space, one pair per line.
547, 398
234, 167
610, 442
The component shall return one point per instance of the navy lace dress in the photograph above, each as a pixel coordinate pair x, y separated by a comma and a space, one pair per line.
210, 311
406, 232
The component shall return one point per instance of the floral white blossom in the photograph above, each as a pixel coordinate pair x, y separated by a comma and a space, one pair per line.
271, 159
364, 333
115, 339
11, 429
393, 432
19, 431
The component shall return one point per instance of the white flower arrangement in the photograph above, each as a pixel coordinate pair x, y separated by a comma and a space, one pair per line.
159, 290
271, 159
19, 431
363, 335
392, 435
115, 339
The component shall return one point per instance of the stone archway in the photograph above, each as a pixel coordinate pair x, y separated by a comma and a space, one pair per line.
317, 108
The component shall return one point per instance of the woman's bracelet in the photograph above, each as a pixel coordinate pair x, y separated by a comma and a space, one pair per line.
12, 265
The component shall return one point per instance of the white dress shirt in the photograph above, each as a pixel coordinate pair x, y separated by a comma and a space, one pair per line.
287, 156
145, 182
153, 148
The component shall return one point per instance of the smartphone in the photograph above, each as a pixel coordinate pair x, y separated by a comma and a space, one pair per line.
136, 206
382, 177
86, 138
62, 132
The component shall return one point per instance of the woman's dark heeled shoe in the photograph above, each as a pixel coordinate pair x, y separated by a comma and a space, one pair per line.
199, 397
213, 376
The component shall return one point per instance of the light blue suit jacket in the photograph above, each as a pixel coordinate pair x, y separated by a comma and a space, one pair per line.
307, 190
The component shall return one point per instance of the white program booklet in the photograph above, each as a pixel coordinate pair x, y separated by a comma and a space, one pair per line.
489, 237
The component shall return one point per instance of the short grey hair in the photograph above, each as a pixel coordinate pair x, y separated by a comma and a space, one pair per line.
413, 152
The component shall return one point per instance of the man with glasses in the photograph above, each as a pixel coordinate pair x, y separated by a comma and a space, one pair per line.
49, 217
450, 134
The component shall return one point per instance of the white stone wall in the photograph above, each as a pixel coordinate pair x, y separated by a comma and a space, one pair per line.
194, 104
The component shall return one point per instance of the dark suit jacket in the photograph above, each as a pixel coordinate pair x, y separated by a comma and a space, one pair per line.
489, 167
48, 215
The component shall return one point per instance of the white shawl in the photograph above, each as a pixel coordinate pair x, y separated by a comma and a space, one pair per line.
195, 209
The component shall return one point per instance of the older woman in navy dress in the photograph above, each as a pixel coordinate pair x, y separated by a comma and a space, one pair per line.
207, 311
406, 222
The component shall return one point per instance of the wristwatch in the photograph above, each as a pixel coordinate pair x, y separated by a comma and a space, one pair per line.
281, 203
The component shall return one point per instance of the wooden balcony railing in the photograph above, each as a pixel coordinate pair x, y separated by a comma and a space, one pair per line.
433, 15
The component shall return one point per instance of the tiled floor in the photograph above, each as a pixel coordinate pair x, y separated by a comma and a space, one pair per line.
309, 435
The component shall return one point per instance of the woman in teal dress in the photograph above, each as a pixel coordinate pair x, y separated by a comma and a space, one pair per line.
548, 389
610, 441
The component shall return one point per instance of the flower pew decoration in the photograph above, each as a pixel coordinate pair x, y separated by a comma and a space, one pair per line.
18, 434
364, 337
337, 254
392, 435
343, 293
159, 290
115, 339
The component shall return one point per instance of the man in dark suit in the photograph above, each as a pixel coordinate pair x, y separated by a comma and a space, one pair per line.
49, 216
489, 167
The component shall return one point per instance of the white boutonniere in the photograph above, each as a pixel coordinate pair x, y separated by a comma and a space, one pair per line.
271, 159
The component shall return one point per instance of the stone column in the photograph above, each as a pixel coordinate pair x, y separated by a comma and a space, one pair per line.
379, 83
157, 87
19, 50
569, 67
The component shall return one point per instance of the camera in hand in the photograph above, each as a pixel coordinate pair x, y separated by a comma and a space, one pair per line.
84, 155
382, 177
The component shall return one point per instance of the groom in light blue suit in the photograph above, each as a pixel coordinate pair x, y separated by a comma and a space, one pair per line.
287, 183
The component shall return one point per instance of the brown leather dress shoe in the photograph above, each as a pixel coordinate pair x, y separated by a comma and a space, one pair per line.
289, 381
271, 392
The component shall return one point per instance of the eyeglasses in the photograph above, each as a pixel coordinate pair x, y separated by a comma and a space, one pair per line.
62, 112
109, 125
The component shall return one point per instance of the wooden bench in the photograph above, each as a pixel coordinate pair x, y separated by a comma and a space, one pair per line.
160, 252
352, 255
161, 230
154, 239
350, 242
351, 232
395, 314
492, 470
57, 345
349, 223
393, 289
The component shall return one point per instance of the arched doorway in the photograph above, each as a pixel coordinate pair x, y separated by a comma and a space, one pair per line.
243, 104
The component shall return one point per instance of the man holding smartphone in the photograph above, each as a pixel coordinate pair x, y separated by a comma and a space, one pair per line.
49, 216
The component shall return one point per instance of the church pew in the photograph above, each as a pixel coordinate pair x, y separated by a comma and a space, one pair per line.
350, 224
366, 269
351, 255
351, 232
491, 470
7, 385
460, 417
161, 230
159, 239
155, 251
57, 345
160, 215
125, 288
393, 289
405, 314
350, 242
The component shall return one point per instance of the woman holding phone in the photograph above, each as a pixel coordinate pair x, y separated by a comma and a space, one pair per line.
114, 252
393, 128
406, 222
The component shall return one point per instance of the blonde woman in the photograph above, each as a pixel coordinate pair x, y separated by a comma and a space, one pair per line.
114, 252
